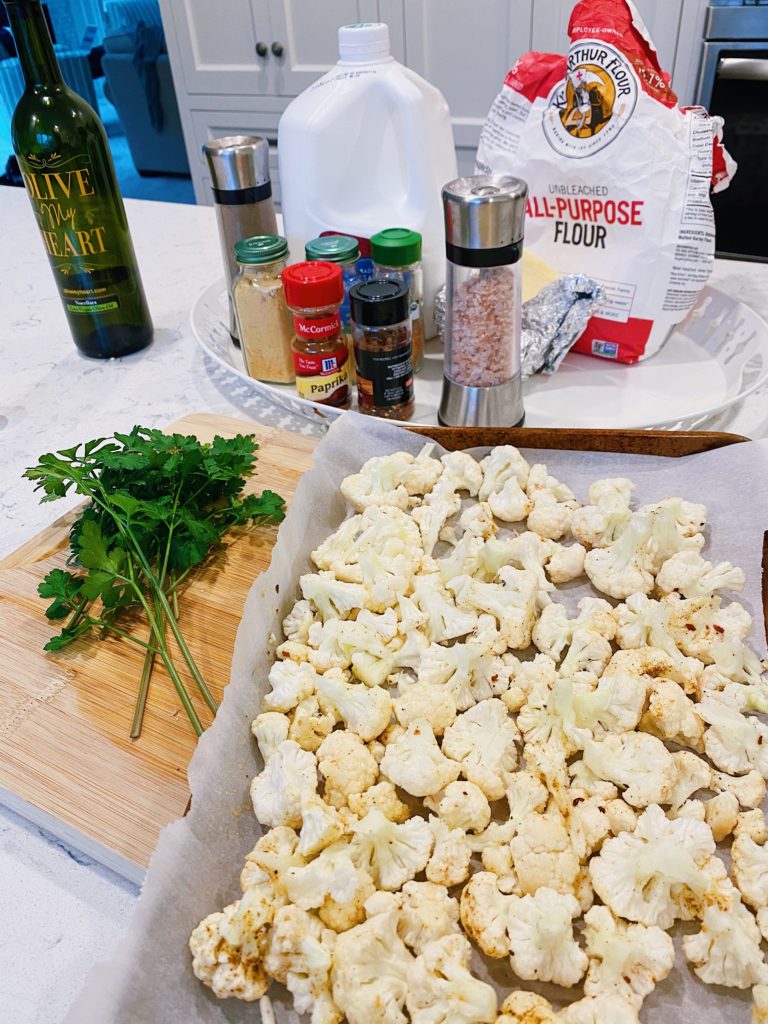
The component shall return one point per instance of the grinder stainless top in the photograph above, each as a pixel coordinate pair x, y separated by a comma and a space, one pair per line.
484, 226
242, 193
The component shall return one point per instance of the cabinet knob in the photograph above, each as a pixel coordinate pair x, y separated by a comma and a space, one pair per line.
277, 49
261, 49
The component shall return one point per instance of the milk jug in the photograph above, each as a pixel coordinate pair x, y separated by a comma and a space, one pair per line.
366, 147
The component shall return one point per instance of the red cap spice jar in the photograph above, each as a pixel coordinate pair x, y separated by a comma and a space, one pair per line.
314, 292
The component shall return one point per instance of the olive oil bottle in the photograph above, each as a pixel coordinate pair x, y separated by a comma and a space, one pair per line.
68, 172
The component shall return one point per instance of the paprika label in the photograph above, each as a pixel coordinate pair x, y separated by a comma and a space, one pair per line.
323, 377
317, 327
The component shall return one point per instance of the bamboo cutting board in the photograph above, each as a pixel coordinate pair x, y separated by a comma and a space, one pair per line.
65, 718
65, 757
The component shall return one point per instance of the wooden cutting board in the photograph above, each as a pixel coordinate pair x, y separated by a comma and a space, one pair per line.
65, 757
65, 718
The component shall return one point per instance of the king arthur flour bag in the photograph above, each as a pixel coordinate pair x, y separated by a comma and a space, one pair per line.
618, 175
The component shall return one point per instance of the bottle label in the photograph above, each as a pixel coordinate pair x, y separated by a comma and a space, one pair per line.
93, 304
387, 376
323, 377
319, 327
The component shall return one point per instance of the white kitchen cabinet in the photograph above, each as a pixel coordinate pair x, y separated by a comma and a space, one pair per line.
465, 48
661, 17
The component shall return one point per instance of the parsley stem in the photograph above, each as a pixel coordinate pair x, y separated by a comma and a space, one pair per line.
141, 697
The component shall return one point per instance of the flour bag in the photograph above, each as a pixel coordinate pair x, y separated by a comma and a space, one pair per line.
618, 175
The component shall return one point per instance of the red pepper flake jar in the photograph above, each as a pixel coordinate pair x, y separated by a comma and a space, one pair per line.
314, 292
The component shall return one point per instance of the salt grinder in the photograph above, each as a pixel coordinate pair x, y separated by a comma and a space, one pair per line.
242, 193
484, 222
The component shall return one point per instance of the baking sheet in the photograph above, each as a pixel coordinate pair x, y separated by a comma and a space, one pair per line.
197, 863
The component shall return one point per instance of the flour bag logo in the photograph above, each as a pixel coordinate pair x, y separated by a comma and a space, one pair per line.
588, 109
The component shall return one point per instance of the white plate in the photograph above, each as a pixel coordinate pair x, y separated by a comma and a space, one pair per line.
715, 358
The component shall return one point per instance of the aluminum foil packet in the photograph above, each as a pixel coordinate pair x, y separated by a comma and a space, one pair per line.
552, 321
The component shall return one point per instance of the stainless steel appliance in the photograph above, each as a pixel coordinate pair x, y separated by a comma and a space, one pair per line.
733, 82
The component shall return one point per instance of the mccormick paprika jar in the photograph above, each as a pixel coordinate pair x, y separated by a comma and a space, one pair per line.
314, 292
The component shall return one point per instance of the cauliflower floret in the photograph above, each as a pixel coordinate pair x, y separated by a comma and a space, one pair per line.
621, 817
370, 972
290, 684
627, 960
673, 716
485, 914
299, 956
277, 792
442, 990
425, 700
600, 523
321, 825
449, 863
553, 504
543, 856
365, 710
531, 552
625, 567
460, 473
483, 740
384, 798
341, 915
693, 774
334, 599
541, 942
505, 473
311, 723
297, 622
599, 1010
228, 947
554, 631
752, 824
512, 603
431, 519
760, 1004
391, 853
692, 576
589, 652
588, 823
637, 761
526, 795
270, 729
415, 763
698, 623
523, 1007
524, 676
635, 874
465, 672
566, 563
347, 766
461, 805
733, 742
332, 873
444, 620
425, 912
464, 559
379, 482
726, 951
748, 789
653, 664
750, 870
270, 859
721, 814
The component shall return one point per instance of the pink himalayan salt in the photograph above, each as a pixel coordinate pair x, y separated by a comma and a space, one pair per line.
483, 328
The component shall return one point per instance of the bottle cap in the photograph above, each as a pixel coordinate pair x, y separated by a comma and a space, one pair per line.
261, 249
396, 247
311, 284
382, 302
334, 248
484, 219
238, 162
363, 43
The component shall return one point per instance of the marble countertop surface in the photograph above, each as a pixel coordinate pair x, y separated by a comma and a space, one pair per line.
68, 910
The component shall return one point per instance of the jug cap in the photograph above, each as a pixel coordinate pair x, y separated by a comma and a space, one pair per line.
363, 42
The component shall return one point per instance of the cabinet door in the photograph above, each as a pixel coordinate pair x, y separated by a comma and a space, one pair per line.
465, 48
217, 53
305, 36
661, 17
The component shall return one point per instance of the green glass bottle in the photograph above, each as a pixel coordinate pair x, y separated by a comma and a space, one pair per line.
68, 172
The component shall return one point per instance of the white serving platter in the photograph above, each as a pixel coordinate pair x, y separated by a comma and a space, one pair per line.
715, 358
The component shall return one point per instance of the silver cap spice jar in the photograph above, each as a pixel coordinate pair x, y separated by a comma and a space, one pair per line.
484, 228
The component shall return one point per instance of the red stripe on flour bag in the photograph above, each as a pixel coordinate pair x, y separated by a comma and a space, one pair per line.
624, 343
536, 74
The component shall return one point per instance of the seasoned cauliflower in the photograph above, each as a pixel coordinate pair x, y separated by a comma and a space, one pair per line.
465, 672
505, 474
369, 973
290, 684
449, 863
600, 1009
321, 825
483, 741
461, 805
485, 914
692, 576
553, 504
543, 856
750, 870
444, 620
566, 563
601, 522
333, 599
428, 701
748, 789
442, 990
639, 762
347, 766
625, 567
673, 716
415, 762
425, 912
277, 793
512, 603
753, 824
333, 873
311, 722
391, 853
541, 942
460, 473
384, 798
365, 710
627, 960
726, 951
760, 1004
299, 956
733, 742
635, 873
270, 729
721, 813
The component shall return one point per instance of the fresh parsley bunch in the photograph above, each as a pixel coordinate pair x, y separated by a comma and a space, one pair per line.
157, 505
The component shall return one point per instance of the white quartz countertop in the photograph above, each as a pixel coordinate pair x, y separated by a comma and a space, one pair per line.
67, 911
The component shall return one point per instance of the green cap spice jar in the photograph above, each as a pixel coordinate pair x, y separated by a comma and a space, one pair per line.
264, 324
381, 328
396, 254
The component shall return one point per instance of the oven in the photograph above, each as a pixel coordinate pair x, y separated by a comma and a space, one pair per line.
733, 82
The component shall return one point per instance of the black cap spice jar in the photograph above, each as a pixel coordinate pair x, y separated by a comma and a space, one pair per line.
381, 329
314, 292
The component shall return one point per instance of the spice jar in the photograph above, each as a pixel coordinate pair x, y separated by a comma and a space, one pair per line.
484, 220
314, 292
381, 328
341, 249
397, 254
264, 324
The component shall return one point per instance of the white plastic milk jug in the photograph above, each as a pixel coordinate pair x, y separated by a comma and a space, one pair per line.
367, 147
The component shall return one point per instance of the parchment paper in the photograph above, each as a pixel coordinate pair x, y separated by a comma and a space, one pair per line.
197, 862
